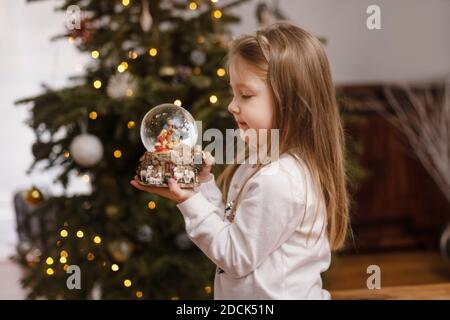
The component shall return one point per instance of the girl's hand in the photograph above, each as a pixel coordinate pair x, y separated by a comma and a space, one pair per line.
174, 192
207, 163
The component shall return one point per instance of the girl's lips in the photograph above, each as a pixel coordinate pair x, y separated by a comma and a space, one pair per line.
242, 124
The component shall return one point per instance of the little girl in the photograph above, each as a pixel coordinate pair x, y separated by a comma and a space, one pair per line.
271, 233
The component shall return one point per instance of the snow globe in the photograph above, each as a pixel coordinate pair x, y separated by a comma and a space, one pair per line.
169, 133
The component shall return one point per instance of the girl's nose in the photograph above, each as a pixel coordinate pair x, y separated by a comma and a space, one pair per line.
233, 107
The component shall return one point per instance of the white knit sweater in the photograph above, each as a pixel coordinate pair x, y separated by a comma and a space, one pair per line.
265, 253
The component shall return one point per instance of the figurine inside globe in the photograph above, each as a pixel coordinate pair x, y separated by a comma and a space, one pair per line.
169, 134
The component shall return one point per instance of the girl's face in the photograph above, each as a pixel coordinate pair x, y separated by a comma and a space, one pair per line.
252, 105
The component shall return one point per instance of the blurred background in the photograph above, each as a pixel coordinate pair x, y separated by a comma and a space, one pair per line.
93, 73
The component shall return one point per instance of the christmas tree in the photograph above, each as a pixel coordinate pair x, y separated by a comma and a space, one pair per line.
127, 244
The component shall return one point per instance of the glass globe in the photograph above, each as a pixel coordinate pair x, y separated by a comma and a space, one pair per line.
166, 125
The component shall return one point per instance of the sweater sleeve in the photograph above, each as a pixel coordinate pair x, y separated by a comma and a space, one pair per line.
269, 212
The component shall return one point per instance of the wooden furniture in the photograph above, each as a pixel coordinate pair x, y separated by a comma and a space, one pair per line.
420, 292
398, 206
404, 275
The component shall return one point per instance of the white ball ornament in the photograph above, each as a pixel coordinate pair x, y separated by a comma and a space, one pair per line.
86, 150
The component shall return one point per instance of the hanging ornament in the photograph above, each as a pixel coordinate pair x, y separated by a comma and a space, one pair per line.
120, 250
182, 241
24, 247
84, 32
182, 73
144, 233
167, 72
33, 257
33, 196
166, 26
128, 45
121, 85
198, 57
267, 15
86, 150
165, 4
146, 19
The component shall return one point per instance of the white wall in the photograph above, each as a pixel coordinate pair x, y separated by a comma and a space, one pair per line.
413, 44
27, 59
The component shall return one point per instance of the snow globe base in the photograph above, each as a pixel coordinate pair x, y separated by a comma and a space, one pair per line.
156, 168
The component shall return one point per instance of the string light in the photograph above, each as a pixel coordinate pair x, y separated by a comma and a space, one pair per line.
117, 153
153, 52
129, 92
200, 39
35, 194
86, 178
97, 84
97, 240
50, 271
139, 294
90, 256
221, 72
64, 254
66, 266
66, 154
49, 261
174, 298
207, 289
93, 115
132, 54
115, 267
80, 234
71, 40
95, 54
63, 260
63, 233
217, 14
151, 205
214, 1
127, 283
122, 66
131, 124
213, 99
125, 2
193, 6
177, 102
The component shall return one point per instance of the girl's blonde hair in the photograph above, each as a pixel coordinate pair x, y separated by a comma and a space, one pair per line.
297, 71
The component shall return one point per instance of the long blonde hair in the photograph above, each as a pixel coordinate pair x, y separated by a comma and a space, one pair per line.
306, 113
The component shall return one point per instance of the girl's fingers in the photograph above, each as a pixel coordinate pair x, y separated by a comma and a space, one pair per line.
175, 188
173, 192
208, 159
151, 189
179, 193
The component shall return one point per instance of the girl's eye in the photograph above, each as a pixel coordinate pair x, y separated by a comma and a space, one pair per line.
244, 96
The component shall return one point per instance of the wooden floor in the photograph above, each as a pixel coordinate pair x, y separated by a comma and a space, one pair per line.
404, 275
